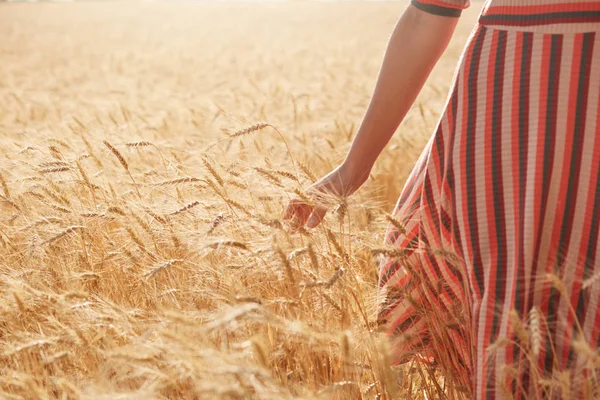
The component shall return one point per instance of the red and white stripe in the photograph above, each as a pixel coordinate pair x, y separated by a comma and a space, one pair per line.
510, 184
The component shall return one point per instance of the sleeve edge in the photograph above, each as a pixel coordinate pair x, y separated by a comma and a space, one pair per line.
437, 10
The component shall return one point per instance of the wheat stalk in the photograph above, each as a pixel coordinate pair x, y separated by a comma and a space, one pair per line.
260, 126
52, 164
284, 174
185, 208
328, 283
237, 184
155, 216
60, 142
65, 232
123, 163
248, 130
396, 223
54, 170
141, 143
314, 260
86, 180
161, 267
286, 263
55, 152
228, 243
270, 176
213, 172
591, 280
535, 332
116, 210
117, 154
518, 327
338, 248
391, 252
215, 223
307, 171
177, 181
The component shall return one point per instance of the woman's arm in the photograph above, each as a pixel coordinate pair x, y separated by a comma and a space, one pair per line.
416, 44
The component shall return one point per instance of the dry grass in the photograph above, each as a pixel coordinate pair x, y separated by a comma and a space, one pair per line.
141, 251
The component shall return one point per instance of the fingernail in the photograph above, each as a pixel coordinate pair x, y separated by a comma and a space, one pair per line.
311, 223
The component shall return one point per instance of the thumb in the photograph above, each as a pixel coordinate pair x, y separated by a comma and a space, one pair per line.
316, 217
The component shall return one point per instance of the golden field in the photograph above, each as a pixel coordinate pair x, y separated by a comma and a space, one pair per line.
141, 251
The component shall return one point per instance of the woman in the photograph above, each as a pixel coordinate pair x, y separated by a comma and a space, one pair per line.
502, 211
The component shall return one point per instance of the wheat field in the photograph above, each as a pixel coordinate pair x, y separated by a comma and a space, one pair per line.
147, 152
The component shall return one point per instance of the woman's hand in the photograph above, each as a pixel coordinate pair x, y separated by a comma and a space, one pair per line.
341, 182
417, 42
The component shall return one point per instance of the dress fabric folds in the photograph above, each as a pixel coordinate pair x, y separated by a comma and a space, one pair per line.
499, 221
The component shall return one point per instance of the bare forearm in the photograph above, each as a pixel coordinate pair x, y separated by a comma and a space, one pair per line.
416, 44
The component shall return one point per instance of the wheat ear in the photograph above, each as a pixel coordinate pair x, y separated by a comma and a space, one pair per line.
123, 163
261, 126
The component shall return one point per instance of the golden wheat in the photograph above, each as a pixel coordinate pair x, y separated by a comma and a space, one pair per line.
195, 288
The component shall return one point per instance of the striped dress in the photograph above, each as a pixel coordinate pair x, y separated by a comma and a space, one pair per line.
498, 284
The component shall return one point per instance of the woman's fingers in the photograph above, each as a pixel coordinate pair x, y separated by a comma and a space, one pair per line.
297, 212
300, 214
337, 184
291, 209
316, 217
